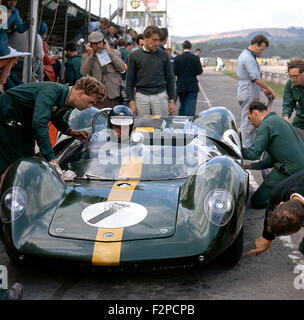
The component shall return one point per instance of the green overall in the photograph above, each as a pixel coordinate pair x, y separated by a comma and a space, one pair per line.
286, 153
294, 100
25, 112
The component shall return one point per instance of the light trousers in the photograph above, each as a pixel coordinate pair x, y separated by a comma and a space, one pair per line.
247, 130
154, 104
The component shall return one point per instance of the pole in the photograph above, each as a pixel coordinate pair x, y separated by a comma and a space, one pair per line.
33, 14
66, 18
89, 15
30, 41
124, 13
100, 2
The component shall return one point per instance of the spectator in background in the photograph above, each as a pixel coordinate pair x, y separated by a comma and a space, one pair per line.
150, 74
49, 73
131, 35
164, 38
250, 84
198, 52
14, 78
139, 42
121, 43
5, 66
14, 23
171, 55
109, 73
38, 65
113, 35
187, 67
129, 46
219, 64
72, 66
102, 26
293, 99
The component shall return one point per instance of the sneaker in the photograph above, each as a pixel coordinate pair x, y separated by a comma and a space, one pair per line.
15, 292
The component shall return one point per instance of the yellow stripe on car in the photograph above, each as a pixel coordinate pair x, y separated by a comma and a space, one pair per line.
107, 250
144, 129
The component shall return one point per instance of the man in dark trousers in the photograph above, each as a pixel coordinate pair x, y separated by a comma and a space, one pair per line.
26, 110
284, 213
284, 147
186, 67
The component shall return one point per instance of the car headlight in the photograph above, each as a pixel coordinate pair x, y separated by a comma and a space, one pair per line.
13, 204
218, 206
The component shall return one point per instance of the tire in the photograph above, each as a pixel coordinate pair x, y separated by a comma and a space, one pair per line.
233, 254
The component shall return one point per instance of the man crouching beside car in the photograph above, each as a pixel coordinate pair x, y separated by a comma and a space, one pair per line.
26, 110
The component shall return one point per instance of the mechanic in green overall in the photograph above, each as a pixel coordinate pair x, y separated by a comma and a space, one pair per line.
26, 110
293, 98
284, 147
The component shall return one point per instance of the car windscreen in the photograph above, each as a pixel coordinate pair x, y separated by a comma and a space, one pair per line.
113, 160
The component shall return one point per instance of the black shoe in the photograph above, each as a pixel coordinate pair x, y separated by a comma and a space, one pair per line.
301, 246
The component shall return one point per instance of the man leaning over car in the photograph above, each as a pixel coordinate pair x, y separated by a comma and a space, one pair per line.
26, 110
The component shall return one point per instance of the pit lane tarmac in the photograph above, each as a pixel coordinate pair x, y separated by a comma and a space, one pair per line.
272, 275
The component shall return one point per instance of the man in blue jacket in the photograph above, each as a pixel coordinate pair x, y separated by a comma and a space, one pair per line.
186, 67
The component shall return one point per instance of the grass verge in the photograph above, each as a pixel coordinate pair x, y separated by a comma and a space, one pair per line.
276, 87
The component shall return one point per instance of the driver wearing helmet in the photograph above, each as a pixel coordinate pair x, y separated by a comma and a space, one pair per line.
119, 128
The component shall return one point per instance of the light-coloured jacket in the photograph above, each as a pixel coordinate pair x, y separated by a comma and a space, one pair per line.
112, 79
248, 71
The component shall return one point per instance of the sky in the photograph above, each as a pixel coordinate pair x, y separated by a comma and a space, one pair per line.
196, 17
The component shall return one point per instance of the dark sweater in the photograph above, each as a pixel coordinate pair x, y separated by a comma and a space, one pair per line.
150, 73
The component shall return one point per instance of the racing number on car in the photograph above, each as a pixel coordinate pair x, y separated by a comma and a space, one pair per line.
114, 214
115, 208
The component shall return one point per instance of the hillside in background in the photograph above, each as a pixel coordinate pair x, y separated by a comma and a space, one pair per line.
285, 43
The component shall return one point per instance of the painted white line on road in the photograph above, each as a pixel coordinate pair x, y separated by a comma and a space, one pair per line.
296, 256
205, 96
